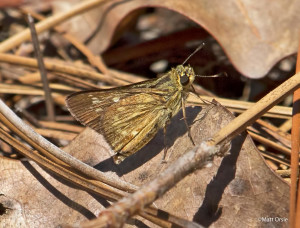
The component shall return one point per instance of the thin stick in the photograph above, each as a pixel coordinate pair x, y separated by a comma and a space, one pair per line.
247, 118
48, 98
282, 149
294, 198
62, 68
118, 213
94, 60
277, 111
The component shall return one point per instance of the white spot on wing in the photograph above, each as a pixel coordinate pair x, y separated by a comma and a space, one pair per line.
99, 110
116, 99
95, 101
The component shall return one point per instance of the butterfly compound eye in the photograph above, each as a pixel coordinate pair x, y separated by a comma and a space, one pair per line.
184, 80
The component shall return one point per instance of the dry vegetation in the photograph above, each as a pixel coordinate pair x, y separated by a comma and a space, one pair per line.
242, 170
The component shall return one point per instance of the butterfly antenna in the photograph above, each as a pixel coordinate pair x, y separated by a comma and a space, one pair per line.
198, 48
224, 74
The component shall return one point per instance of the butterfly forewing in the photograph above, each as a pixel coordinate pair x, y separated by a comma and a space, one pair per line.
88, 106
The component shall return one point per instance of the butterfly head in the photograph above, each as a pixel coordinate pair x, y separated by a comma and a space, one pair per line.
186, 75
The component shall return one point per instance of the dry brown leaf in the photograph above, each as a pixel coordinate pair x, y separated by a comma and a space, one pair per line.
33, 198
11, 3
255, 35
236, 191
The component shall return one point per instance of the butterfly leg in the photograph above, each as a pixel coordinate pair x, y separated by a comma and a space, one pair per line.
163, 160
203, 100
185, 121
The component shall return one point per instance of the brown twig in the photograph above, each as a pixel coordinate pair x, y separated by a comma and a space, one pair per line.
294, 219
270, 143
240, 106
77, 81
117, 214
272, 157
28, 116
30, 62
282, 136
286, 126
48, 98
62, 126
55, 134
247, 118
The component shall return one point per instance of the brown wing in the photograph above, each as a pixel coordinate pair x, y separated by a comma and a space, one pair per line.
128, 126
128, 119
86, 106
